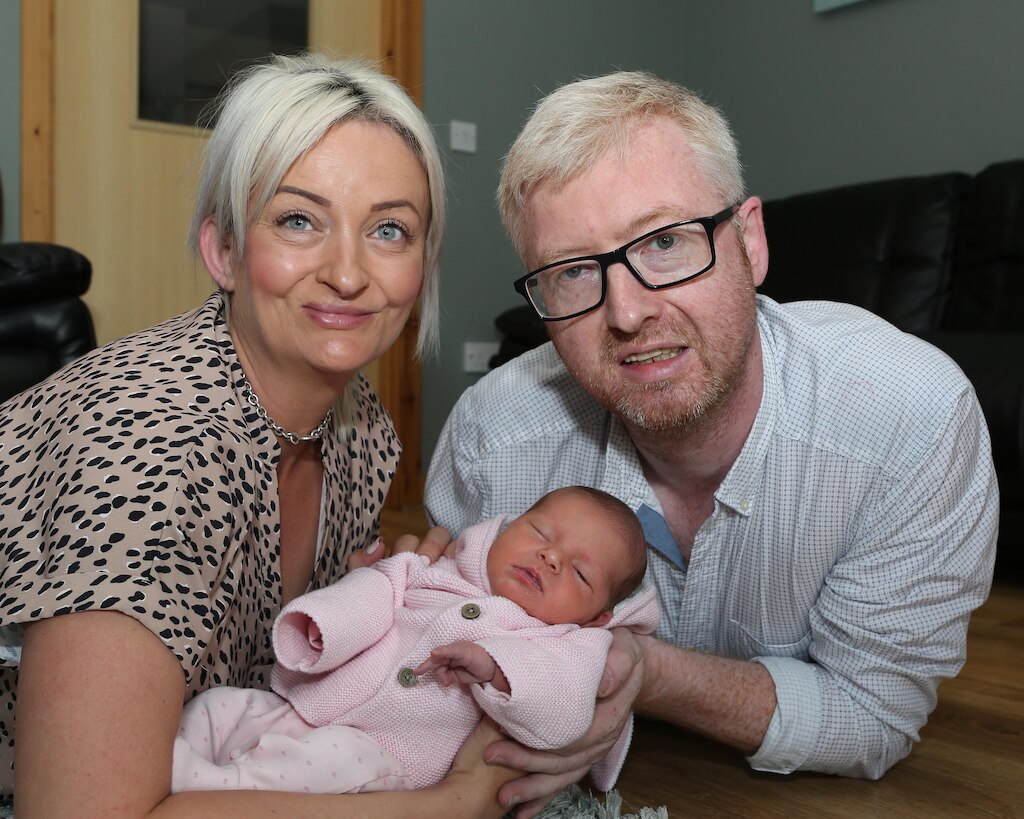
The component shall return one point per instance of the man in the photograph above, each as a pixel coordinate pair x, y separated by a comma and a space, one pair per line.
816, 486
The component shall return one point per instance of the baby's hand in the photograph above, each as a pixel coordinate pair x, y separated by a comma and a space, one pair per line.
465, 663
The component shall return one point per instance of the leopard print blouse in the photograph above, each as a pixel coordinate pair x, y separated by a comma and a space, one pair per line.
138, 480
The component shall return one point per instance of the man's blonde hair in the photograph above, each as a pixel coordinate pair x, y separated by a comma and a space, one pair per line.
576, 125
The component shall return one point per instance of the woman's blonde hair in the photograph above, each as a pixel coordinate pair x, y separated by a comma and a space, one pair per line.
576, 125
272, 113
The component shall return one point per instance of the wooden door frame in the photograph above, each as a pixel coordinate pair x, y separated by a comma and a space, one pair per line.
398, 370
401, 49
37, 120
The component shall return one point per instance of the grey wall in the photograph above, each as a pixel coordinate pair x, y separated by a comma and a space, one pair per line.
488, 62
876, 89
10, 121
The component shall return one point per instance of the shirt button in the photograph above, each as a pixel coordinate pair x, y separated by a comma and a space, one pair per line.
744, 506
406, 678
471, 611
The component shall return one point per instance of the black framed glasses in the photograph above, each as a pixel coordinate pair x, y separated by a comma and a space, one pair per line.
661, 258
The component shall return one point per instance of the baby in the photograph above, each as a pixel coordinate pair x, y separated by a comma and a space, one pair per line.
363, 679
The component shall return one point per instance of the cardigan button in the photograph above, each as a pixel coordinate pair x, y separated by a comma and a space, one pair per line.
471, 611
406, 678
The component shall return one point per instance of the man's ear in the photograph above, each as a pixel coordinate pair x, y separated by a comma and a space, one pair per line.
599, 621
216, 252
754, 239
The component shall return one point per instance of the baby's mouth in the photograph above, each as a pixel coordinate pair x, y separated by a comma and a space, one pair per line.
531, 576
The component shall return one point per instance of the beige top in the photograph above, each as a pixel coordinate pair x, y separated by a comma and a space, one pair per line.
138, 480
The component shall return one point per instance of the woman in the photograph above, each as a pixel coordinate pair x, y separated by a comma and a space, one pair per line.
164, 496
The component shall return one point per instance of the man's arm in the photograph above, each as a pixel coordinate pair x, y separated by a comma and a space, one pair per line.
730, 701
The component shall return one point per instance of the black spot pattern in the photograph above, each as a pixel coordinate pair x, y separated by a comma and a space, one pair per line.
137, 480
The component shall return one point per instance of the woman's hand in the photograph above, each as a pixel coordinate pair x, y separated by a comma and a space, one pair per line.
473, 779
551, 771
436, 542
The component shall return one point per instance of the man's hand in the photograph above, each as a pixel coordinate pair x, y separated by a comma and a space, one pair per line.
551, 771
436, 542
464, 663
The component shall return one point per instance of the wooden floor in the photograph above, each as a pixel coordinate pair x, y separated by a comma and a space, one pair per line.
969, 762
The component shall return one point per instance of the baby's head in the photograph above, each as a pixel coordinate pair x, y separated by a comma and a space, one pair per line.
570, 557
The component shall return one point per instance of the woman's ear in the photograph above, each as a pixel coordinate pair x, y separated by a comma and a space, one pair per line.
216, 252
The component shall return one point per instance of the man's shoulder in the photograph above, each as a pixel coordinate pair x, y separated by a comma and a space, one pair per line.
848, 379
532, 396
833, 342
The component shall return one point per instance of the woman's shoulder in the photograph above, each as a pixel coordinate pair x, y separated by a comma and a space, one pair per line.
169, 361
175, 371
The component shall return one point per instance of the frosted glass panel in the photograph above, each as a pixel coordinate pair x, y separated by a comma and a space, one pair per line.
189, 48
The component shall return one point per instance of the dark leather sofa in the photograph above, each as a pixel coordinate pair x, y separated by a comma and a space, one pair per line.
44, 324
940, 256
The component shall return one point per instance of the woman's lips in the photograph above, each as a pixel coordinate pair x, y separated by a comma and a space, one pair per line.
337, 317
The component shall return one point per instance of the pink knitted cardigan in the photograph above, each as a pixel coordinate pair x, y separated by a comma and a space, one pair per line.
344, 655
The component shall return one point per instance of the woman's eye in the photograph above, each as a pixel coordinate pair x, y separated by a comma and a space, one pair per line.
296, 221
390, 232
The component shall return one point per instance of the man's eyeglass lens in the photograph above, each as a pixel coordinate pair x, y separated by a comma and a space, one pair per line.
669, 256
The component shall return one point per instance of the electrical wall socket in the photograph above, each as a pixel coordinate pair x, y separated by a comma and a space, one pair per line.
476, 355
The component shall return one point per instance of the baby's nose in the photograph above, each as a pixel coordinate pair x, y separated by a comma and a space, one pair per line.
552, 559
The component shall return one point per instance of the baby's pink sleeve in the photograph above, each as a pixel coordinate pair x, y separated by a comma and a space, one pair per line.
553, 681
322, 629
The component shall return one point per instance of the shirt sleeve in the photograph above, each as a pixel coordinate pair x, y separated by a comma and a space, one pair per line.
891, 619
453, 498
147, 527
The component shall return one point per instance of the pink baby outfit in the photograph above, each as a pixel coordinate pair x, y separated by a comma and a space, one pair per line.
345, 654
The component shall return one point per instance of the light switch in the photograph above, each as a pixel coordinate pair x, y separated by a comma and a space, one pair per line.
476, 355
463, 136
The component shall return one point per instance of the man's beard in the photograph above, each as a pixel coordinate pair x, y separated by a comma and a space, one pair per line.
674, 406
685, 419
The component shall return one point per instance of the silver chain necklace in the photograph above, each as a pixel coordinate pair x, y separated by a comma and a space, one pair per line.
276, 428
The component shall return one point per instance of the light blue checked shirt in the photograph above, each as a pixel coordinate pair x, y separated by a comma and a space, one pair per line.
849, 543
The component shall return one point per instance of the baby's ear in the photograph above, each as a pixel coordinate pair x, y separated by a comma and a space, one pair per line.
599, 621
